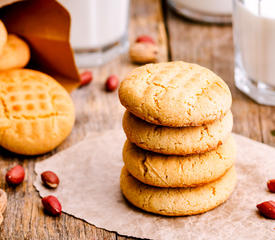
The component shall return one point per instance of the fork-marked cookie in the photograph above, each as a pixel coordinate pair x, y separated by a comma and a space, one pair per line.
175, 94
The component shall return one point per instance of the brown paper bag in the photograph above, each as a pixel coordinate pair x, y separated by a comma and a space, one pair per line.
45, 25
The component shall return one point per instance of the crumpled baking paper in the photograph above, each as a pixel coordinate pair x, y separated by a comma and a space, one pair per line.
89, 189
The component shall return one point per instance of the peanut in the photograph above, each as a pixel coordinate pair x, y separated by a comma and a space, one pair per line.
267, 209
271, 185
50, 179
85, 78
15, 175
111, 83
143, 52
145, 38
51, 205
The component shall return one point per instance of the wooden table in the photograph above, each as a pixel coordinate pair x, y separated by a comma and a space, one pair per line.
179, 39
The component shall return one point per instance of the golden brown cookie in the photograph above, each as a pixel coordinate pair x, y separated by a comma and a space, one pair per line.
177, 141
36, 111
177, 201
178, 171
175, 94
3, 36
15, 54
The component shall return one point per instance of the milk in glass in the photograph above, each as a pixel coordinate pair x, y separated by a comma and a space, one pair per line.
98, 29
254, 36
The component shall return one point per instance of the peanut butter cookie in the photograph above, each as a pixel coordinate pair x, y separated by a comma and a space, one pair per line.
177, 141
175, 94
37, 113
177, 201
178, 171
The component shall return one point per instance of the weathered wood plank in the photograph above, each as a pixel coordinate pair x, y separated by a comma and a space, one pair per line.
267, 119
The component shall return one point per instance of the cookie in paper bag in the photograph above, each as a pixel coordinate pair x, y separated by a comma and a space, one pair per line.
15, 54
37, 112
3, 36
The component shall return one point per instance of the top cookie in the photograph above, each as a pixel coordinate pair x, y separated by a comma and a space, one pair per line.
175, 94
3, 36
36, 112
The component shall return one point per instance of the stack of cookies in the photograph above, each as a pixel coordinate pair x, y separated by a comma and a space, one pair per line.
179, 154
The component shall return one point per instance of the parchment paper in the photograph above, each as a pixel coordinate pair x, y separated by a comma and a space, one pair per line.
89, 174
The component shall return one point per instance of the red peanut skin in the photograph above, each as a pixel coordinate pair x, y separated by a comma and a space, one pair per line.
271, 185
111, 83
267, 209
15, 175
51, 205
145, 39
50, 179
86, 77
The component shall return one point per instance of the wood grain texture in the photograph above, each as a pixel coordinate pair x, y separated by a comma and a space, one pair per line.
96, 110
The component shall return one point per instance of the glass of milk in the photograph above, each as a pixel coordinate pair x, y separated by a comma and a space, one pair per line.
98, 29
254, 39
212, 11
